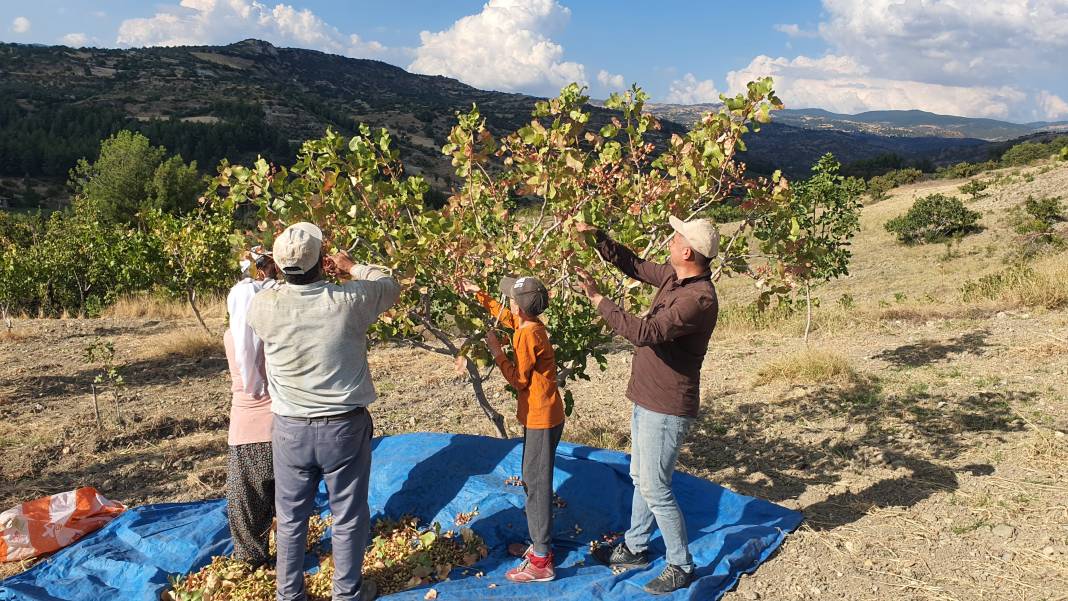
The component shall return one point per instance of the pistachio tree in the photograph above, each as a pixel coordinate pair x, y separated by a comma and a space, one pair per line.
513, 212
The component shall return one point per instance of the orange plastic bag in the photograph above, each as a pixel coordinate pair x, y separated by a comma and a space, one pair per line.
53, 522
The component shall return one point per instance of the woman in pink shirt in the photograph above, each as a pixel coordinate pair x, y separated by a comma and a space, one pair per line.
249, 468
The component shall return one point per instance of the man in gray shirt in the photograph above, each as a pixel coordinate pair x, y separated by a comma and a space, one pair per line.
315, 345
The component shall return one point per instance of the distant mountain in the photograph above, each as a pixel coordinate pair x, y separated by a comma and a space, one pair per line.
911, 123
249, 98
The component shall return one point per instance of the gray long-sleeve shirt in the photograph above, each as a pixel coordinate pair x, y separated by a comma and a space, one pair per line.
315, 342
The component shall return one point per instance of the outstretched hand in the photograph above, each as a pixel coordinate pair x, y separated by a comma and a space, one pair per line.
582, 227
589, 287
343, 263
494, 344
468, 286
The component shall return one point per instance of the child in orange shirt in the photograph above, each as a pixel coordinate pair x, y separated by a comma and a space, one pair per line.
540, 410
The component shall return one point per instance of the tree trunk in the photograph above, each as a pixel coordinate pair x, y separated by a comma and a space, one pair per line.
808, 307
118, 410
191, 295
81, 296
475, 378
96, 408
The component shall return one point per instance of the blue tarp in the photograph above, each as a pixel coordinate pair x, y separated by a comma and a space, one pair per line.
435, 477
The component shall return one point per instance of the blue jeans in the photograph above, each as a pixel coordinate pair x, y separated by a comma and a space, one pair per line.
655, 442
337, 450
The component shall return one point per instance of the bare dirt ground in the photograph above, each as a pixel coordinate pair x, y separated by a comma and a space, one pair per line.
934, 466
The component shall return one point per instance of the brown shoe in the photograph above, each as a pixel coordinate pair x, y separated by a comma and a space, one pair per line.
518, 549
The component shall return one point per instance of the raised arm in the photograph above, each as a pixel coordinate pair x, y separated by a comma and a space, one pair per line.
381, 290
626, 260
519, 373
686, 315
496, 309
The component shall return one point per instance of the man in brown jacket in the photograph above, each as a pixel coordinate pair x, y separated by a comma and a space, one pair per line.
671, 341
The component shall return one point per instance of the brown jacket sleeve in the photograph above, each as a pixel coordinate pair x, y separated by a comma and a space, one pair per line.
629, 263
496, 309
684, 316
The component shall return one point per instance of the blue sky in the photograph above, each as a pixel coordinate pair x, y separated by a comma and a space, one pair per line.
986, 59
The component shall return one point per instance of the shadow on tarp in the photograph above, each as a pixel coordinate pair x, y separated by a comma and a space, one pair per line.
435, 477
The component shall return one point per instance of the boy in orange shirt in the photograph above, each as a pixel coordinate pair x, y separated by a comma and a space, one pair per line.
540, 410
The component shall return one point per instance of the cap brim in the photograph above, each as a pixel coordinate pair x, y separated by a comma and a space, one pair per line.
507, 285
676, 224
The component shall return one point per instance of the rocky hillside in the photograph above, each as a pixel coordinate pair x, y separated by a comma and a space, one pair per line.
249, 98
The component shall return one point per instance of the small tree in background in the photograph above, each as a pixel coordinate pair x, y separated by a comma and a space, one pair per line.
197, 251
812, 230
975, 188
934, 218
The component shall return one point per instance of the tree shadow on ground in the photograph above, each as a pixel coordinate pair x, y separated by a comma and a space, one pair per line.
926, 352
915, 434
166, 369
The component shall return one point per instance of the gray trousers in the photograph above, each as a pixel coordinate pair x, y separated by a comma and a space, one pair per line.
539, 458
250, 500
337, 450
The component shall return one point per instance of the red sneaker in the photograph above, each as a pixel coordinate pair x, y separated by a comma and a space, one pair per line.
533, 569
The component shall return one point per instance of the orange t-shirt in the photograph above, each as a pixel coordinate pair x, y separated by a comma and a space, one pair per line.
533, 374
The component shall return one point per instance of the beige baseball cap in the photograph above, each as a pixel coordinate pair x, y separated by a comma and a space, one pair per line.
700, 233
297, 250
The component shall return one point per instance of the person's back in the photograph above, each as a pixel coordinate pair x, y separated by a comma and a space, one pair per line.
315, 344
315, 341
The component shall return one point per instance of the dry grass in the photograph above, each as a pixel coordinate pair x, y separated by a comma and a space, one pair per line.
145, 306
809, 366
188, 342
12, 335
1041, 284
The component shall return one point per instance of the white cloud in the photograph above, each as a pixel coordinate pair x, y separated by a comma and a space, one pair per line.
690, 90
614, 82
1051, 107
201, 22
977, 59
950, 41
795, 31
74, 40
841, 84
506, 46
20, 25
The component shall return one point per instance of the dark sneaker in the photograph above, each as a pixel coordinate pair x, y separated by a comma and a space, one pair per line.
620, 557
368, 590
670, 580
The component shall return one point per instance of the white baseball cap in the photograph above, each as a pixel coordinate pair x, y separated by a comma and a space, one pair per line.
298, 249
700, 233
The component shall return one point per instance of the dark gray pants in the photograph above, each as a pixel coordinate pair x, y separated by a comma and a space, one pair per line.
250, 500
539, 458
337, 450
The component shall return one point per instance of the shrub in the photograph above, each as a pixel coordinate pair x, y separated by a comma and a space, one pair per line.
963, 170
879, 185
1026, 152
1035, 220
1037, 215
934, 218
